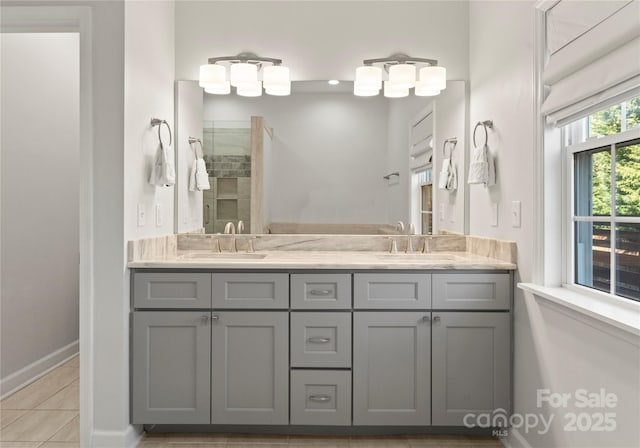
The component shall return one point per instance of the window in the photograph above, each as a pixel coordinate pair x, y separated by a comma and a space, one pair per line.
604, 151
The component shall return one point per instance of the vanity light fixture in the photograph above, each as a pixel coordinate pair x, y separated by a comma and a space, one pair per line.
244, 75
404, 73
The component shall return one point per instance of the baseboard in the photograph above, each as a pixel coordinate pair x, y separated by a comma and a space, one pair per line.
128, 438
27, 375
515, 440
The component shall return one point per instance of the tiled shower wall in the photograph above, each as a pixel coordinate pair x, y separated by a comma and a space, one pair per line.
227, 156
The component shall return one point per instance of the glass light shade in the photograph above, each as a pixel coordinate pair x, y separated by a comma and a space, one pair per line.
212, 75
433, 78
425, 90
391, 91
280, 90
219, 90
275, 75
402, 76
251, 90
368, 77
358, 91
243, 74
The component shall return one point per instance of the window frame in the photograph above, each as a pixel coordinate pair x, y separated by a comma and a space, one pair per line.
568, 133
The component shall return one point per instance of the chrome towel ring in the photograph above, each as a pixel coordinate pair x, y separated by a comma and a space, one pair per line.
158, 122
452, 145
485, 124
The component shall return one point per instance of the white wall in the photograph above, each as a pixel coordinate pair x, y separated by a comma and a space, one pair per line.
554, 348
328, 153
322, 40
40, 201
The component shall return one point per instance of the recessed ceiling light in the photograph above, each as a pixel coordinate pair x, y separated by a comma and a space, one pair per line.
333, 82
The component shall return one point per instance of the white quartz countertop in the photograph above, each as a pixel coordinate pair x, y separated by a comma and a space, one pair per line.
196, 259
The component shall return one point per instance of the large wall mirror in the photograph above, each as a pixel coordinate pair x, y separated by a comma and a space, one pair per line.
322, 160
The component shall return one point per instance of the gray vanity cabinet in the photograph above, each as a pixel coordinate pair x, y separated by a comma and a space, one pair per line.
171, 367
250, 368
391, 368
470, 365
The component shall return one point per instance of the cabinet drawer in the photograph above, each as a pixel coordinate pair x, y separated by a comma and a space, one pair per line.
321, 397
251, 291
321, 339
321, 291
171, 290
471, 291
393, 291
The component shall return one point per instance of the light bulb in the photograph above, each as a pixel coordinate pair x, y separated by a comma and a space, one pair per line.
243, 74
433, 77
402, 76
368, 77
275, 76
212, 75
391, 91
217, 90
250, 90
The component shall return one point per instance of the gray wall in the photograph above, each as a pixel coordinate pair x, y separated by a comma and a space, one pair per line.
40, 197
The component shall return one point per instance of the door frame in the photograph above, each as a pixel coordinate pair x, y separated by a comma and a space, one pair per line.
74, 19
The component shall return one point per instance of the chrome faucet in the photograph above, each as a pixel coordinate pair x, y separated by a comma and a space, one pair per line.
400, 227
410, 231
230, 228
240, 227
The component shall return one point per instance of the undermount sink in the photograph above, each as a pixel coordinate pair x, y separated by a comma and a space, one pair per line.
417, 256
224, 256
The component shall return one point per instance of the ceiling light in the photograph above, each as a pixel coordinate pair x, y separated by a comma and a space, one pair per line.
244, 74
333, 82
402, 77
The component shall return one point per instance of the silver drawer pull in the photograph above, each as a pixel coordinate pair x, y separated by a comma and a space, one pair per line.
318, 340
215, 318
320, 292
319, 398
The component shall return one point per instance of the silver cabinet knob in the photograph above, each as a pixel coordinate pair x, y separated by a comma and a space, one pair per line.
426, 318
436, 318
215, 318
204, 319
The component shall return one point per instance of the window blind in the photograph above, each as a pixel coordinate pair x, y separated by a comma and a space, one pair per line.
591, 67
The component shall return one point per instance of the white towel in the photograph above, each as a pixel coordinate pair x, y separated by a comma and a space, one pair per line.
202, 177
448, 176
163, 173
199, 178
482, 168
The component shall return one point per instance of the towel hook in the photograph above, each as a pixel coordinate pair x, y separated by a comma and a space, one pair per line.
193, 140
158, 122
452, 145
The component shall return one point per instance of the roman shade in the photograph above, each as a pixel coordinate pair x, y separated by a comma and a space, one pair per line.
594, 57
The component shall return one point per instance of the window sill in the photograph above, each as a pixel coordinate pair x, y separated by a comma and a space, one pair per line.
618, 312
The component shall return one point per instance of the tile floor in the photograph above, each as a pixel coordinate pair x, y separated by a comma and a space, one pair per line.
45, 415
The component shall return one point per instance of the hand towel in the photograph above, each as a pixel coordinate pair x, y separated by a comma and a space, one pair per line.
163, 173
481, 168
192, 176
448, 176
202, 177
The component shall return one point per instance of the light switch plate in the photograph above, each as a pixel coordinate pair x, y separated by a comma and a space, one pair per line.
142, 215
516, 218
159, 217
494, 214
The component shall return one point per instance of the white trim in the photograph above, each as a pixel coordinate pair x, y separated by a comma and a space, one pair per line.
607, 140
78, 19
128, 438
515, 436
606, 219
616, 312
538, 135
37, 369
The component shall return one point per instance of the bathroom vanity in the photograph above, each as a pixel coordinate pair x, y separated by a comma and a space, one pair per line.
308, 339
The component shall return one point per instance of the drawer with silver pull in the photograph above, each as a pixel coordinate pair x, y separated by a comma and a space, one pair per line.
321, 397
321, 339
320, 291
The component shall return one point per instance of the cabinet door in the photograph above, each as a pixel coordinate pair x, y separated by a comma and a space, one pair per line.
171, 290
391, 368
471, 365
392, 291
250, 290
171, 367
321, 397
250, 368
321, 339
